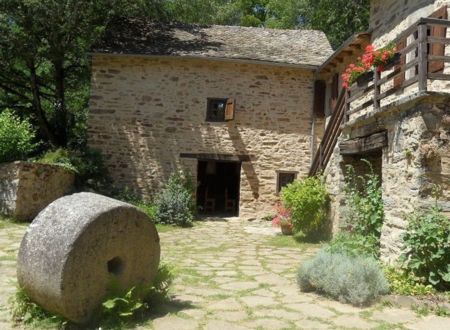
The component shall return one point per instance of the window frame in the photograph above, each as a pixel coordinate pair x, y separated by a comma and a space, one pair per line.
209, 102
281, 172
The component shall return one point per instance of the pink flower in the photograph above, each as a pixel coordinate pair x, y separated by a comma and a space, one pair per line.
370, 48
283, 215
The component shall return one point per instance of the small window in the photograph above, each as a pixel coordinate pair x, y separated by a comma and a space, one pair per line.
285, 178
216, 110
220, 110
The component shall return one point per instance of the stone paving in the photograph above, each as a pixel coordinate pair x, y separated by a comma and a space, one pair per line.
232, 274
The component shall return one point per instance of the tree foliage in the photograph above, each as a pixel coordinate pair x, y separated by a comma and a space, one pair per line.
339, 19
282, 14
43, 55
16, 137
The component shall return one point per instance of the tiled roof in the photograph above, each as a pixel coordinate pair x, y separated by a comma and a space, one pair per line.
139, 37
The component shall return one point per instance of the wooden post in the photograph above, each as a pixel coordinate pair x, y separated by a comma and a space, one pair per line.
376, 89
320, 157
346, 106
423, 56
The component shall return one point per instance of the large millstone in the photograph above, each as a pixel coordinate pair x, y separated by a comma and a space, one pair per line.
78, 246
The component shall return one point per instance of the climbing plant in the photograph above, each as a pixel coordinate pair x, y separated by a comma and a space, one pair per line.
364, 202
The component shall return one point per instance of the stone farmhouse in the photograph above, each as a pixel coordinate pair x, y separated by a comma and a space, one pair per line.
247, 110
230, 105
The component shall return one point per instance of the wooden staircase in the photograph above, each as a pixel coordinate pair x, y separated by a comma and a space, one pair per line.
330, 137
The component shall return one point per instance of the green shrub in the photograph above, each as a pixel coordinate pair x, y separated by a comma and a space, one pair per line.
148, 208
365, 207
119, 310
91, 171
403, 283
16, 137
307, 200
145, 206
354, 244
175, 204
60, 157
355, 280
25, 311
427, 247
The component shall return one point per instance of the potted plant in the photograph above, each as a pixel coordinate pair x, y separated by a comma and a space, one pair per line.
385, 58
361, 72
283, 220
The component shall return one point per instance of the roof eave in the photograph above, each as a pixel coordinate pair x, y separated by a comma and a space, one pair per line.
312, 67
356, 40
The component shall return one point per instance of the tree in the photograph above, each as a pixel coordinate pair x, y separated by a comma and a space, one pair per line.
268, 13
43, 55
194, 11
339, 19
281, 14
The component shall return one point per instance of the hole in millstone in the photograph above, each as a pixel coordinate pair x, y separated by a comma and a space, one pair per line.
115, 266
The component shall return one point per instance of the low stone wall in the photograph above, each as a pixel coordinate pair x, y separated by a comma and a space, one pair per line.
27, 188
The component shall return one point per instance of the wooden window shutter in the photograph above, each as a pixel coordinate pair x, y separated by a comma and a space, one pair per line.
435, 48
334, 92
399, 79
229, 109
319, 98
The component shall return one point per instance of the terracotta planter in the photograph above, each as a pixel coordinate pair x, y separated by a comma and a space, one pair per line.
286, 229
364, 79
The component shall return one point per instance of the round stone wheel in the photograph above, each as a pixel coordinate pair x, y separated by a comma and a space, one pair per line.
80, 245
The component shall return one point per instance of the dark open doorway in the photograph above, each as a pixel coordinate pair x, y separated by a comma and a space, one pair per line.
218, 187
360, 164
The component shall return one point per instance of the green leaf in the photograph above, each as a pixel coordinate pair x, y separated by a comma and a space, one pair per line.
109, 304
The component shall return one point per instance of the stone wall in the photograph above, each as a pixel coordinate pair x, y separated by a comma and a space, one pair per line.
388, 18
27, 188
144, 112
415, 160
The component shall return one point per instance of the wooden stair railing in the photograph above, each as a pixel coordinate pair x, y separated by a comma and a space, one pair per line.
330, 137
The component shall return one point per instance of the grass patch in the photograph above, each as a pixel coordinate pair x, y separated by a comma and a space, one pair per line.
291, 242
190, 276
7, 222
389, 326
9, 257
212, 250
25, 311
166, 228
163, 228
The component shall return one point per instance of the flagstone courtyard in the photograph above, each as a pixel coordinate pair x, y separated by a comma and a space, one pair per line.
235, 274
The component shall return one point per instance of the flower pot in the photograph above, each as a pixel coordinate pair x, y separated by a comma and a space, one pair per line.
364, 79
286, 228
395, 60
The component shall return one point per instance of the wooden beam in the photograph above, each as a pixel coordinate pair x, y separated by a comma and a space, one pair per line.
347, 52
217, 157
364, 144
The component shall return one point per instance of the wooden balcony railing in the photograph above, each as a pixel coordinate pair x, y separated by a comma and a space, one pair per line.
415, 60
